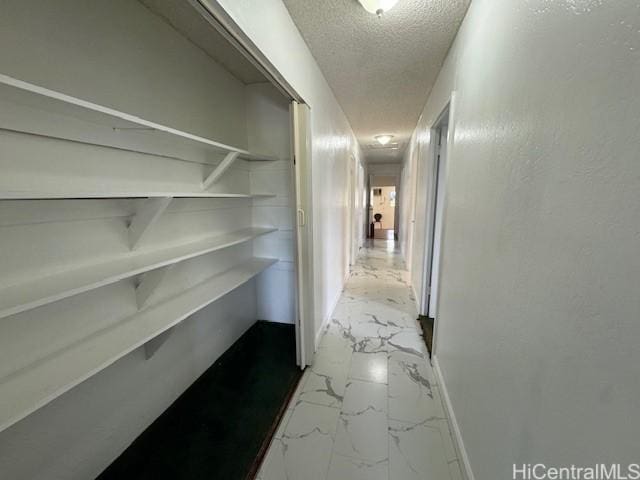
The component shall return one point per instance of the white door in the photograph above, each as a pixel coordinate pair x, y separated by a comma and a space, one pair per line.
441, 164
300, 119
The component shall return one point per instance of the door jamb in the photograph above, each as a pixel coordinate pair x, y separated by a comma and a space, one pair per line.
447, 111
215, 14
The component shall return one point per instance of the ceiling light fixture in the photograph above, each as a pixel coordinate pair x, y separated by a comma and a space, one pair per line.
383, 139
378, 7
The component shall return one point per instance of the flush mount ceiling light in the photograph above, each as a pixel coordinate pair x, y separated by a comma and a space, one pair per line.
378, 7
383, 139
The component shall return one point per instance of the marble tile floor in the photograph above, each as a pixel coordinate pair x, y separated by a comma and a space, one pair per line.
369, 408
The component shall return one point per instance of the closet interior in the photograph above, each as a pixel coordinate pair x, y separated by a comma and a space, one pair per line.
145, 188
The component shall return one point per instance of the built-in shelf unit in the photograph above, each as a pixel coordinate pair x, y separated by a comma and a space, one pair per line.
120, 218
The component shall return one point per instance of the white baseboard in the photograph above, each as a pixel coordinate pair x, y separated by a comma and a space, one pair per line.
465, 465
416, 299
325, 320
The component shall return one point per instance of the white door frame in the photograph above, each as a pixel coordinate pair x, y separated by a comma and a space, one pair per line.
351, 216
301, 154
446, 117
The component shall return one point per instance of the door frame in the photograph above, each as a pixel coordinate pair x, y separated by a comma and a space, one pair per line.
215, 14
351, 212
428, 260
301, 156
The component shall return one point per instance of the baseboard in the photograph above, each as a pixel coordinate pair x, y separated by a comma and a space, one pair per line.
320, 332
333, 306
465, 465
416, 299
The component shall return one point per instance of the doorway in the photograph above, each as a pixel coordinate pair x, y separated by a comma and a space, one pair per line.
383, 212
434, 226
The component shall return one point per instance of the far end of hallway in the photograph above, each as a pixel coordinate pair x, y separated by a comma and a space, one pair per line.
369, 407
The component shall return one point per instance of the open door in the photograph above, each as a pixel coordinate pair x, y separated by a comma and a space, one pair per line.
433, 228
434, 267
300, 117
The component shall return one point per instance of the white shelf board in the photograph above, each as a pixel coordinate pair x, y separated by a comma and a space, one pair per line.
54, 195
263, 195
21, 92
48, 289
32, 387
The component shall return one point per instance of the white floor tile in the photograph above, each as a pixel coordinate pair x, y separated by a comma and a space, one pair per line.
304, 450
363, 435
455, 470
412, 396
362, 427
407, 341
370, 367
369, 407
324, 389
346, 468
416, 452
360, 396
283, 423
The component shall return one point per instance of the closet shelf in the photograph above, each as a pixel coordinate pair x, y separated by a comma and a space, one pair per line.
24, 391
25, 93
263, 195
66, 194
48, 289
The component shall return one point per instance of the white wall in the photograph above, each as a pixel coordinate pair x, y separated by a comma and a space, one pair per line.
407, 203
537, 334
270, 27
167, 78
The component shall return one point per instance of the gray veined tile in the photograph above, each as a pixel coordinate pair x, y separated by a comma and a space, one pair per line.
324, 389
304, 450
370, 367
368, 329
416, 452
346, 468
334, 339
283, 423
362, 435
363, 344
372, 339
412, 395
407, 341
398, 319
362, 428
360, 396
331, 361
325, 380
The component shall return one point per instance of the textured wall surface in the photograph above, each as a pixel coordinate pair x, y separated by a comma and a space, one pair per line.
381, 69
539, 305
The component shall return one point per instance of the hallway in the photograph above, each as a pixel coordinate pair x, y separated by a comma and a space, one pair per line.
180, 176
369, 408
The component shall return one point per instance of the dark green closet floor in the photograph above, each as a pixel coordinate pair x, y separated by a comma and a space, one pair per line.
218, 428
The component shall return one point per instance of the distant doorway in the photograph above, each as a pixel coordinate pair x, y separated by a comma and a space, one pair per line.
383, 212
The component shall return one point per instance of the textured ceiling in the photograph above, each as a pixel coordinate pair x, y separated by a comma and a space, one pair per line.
380, 69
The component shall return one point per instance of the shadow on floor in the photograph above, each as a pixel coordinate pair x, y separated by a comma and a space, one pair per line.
218, 428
